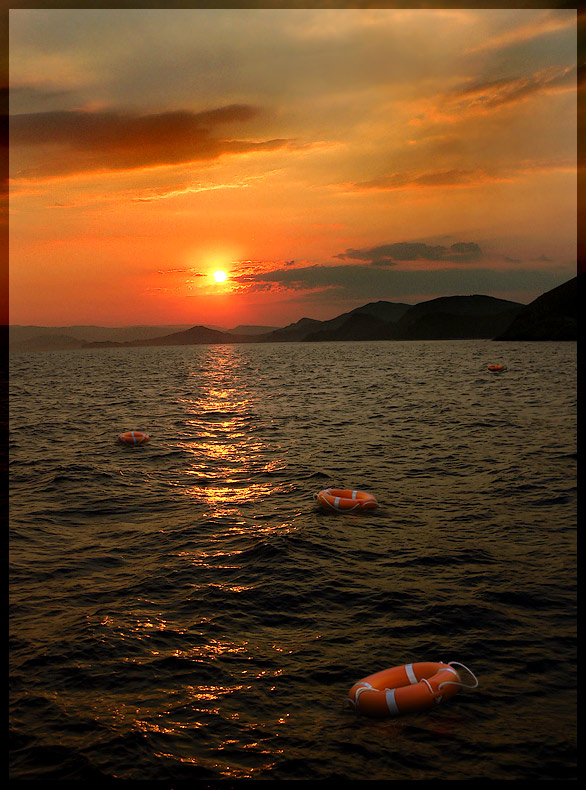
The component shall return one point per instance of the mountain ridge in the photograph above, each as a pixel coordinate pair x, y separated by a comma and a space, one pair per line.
551, 316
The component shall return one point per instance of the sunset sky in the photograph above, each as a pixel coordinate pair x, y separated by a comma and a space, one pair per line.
321, 158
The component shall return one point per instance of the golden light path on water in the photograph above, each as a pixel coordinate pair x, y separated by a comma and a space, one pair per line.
223, 455
222, 450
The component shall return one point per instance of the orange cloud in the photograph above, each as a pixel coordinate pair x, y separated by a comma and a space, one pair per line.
85, 142
482, 97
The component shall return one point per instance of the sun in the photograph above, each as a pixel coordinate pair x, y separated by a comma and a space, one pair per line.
220, 276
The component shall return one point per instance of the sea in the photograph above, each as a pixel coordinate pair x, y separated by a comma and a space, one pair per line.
183, 611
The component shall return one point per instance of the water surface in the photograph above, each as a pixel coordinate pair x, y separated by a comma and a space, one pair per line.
183, 610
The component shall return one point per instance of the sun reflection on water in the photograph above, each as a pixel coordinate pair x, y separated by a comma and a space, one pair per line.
227, 460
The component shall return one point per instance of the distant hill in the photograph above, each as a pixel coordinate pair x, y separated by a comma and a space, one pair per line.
47, 343
552, 316
55, 338
189, 337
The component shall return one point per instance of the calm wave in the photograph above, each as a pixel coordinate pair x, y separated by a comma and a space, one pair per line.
183, 610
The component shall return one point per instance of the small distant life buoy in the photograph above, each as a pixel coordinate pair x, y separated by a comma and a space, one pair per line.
345, 501
406, 689
134, 437
497, 368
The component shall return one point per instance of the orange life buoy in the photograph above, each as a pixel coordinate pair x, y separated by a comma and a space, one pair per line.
134, 437
344, 501
405, 689
497, 368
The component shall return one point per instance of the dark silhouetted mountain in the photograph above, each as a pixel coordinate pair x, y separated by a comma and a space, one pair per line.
552, 316
292, 332
473, 305
445, 318
313, 330
385, 311
457, 317
358, 326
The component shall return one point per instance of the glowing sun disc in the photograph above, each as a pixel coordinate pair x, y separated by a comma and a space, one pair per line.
220, 277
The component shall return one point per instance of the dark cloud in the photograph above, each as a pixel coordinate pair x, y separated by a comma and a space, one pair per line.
359, 282
95, 141
390, 254
300, 279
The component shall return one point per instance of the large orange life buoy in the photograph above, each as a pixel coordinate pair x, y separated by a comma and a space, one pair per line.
497, 368
344, 500
134, 437
406, 689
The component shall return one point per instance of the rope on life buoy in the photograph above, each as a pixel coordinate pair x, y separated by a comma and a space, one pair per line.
459, 683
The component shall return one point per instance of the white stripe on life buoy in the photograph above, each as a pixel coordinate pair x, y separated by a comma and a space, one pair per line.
411, 674
336, 502
391, 703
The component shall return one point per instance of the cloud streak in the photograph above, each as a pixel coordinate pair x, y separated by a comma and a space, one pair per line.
195, 188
